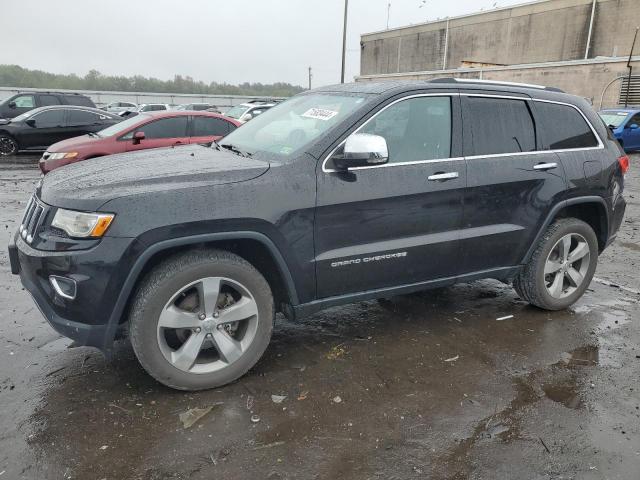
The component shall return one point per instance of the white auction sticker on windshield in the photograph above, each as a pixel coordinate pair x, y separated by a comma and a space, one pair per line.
319, 114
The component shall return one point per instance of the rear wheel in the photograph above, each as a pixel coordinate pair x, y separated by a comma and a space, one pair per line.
201, 320
562, 266
8, 145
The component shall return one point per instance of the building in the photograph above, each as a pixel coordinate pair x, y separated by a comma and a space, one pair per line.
580, 46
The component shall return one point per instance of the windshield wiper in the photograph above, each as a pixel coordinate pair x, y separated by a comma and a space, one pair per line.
234, 149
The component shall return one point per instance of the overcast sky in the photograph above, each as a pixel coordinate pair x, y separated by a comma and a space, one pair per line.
223, 40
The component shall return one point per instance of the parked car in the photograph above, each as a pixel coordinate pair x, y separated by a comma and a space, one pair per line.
117, 107
146, 130
198, 107
23, 102
145, 107
40, 127
193, 258
246, 111
625, 125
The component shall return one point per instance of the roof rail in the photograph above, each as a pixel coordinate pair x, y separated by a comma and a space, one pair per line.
494, 82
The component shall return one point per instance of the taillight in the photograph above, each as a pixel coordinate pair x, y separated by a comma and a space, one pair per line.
624, 163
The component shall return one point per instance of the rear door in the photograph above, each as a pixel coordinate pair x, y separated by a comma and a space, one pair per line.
81, 122
511, 184
207, 129
163, 132
397, 223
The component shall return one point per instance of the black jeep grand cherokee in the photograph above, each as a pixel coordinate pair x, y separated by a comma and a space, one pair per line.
341, 194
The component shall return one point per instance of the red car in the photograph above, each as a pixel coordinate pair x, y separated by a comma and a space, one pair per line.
146, 130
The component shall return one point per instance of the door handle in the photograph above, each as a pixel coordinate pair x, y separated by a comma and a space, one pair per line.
545, 166
179, 143
442, 176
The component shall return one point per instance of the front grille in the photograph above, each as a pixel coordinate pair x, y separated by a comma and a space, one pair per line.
33, 218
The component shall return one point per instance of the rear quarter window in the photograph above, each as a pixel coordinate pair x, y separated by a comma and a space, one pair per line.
563, 127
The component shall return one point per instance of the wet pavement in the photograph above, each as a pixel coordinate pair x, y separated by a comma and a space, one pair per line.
429, 385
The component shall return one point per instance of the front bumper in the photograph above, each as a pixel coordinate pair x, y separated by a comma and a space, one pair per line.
99, 273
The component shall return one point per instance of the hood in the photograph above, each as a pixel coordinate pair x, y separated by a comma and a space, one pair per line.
74, 143
89, 184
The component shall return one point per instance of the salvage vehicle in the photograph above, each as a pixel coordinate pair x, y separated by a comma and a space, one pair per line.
625, 125
246, 111
40, 127
144, 131
373, 190
23, 102
117, 107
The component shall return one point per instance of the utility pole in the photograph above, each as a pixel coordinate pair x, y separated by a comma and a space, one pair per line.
344, 39
388, 12
310, 78
626, 97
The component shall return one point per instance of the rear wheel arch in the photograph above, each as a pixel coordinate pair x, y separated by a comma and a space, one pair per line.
591, 210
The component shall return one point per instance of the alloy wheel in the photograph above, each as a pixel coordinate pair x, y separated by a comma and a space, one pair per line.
8, 146
567, 265
207, 325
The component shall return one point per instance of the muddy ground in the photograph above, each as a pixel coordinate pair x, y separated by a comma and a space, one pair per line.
429, 385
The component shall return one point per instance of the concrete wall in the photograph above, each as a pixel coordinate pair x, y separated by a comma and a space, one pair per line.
104, 98
544, 31
586, 78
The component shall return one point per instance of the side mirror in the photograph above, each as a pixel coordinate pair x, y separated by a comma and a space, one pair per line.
31, 122
246, 117
633, 126
137, 137
362, 150
12, 105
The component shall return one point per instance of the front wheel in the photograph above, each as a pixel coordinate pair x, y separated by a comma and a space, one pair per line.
562, 266
8, 145
201, 320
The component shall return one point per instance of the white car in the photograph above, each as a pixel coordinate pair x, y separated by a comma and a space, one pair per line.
246, 111
153, 107
117, 107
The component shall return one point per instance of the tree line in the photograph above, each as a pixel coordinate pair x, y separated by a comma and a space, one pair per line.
16, 76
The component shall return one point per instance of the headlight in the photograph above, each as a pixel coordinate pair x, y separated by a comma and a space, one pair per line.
59, 155
81, 224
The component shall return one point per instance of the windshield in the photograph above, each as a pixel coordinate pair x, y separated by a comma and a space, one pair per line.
613, 118
236, 112
292, 124
123, 126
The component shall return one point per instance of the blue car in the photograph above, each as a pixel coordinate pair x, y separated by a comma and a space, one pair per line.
625, 125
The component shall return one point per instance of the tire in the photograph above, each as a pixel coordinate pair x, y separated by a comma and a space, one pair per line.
8, 145
176, 285
546, 290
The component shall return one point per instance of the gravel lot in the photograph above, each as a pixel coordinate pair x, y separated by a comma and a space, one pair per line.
419, 386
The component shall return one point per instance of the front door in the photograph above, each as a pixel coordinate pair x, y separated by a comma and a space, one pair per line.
397, 223
164, 132
511, 184
49, 127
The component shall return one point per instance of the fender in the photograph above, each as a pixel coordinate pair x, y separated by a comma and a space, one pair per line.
554, 212
134, 273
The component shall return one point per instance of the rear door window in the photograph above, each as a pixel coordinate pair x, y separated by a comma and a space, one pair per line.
174, 127
209, 126
563, 127
46, 100
79, 100
500, 125
415, 129
82, 117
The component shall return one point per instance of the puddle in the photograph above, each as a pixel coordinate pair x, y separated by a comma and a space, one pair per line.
566, 394
496, 430
612, 319
582, 356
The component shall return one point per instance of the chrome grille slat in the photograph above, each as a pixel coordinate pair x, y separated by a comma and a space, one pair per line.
33, 218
